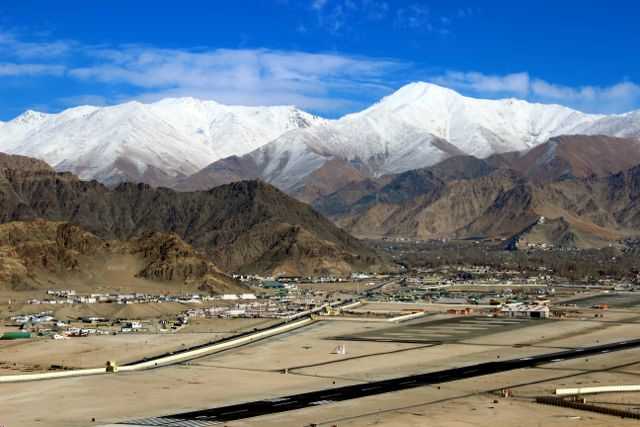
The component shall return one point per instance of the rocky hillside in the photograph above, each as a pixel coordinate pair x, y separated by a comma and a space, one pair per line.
572, 156
247, 226
41, 253
418, 126
589, 197
14, 161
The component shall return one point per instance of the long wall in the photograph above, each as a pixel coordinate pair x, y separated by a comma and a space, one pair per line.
164, 361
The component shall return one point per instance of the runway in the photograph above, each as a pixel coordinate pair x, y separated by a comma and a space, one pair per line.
213, 416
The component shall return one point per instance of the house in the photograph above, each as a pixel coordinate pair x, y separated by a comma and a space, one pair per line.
522, 310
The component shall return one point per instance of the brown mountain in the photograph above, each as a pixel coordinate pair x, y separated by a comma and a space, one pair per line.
333, 175
583, 182
598, 210
412, 186
559, 233
463, 197
12, 161
247, 226
572, 156
225, 171
41, 253
434, 209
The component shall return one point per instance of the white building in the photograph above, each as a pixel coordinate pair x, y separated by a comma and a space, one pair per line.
522, 310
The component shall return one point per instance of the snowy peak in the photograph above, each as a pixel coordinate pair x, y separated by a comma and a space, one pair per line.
479, 127
419, 92
422, 124
30, 116
417, 126
132, 141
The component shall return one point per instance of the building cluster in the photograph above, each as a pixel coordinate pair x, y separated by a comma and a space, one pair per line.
284, 279
256, 309
45, 324
33, 319
69, 296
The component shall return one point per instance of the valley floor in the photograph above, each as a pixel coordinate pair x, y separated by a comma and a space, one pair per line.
255, 372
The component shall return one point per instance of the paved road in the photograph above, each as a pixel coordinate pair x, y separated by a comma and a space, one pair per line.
222, 414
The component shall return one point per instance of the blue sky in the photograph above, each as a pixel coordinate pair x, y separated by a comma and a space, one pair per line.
326, 56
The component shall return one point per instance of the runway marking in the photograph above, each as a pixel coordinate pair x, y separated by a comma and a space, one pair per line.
322, 402
355, 391
175, 422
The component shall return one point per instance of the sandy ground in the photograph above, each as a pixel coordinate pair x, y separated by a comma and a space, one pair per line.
252, 372
93, 351
75, 401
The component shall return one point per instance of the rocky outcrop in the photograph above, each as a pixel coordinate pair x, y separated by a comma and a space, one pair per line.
32, 252
572, 156
574, 182
245, 226
170, 258
13, 161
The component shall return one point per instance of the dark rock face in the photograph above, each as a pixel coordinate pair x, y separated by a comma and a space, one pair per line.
244, 226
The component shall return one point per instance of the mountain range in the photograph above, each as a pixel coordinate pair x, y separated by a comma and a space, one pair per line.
424, 162
248, 226
578, 191
418, 126
153, 143
190, 144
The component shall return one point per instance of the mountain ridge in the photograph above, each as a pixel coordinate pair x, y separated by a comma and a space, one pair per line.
247, 226
176, 137
168, 142
594, 198
418, 126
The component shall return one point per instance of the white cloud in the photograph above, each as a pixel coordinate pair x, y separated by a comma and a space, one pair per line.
97, 100
15, 70
511, 84
339, 17
11, 45
330, 83
318, 81
375, 10
617, 98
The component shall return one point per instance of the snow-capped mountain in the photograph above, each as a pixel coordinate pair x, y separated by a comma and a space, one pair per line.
146, 142
420, 125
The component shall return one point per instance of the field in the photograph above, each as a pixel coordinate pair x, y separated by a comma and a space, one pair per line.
255, 371
40, 354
